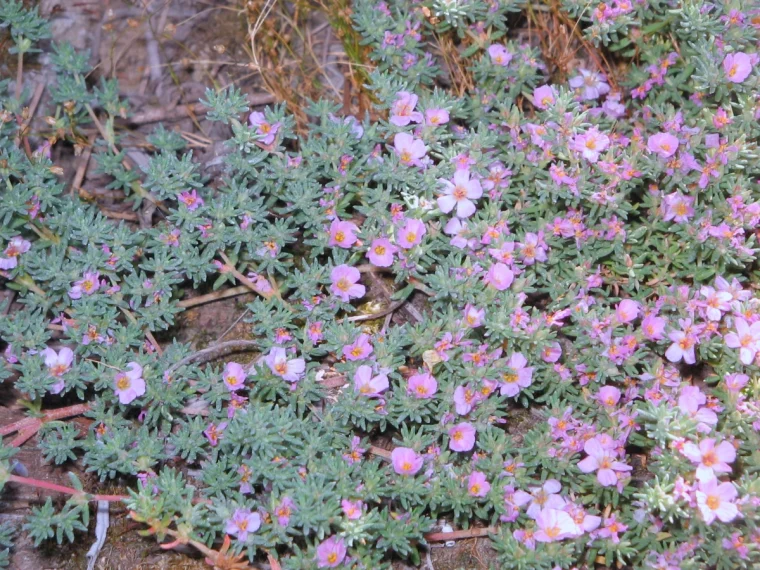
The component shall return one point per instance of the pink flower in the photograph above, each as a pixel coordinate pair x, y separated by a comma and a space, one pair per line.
553, 525
590, 144
242, 523
627, 311
746, 339
517, 375
714, 500
331, 552
412, 233
460, 193
345, 284
735, 382
15, 247
58, 363
543, 97
478, 485
551, 352
359, 349
593, 84
653, 327
422, 385
264, 129
342, 234
88, 285
406, 461
289, 370
352, 509
499, 276
608, 396
499, 55
716, 302
214, 432
473, 316
402, 111
544, 497
682, 347
435, 117
381, 252
129, 385
234, 376
367, 385
677, 207
410, 150
712, 460
737, 66
603, 461
663, 144
284, 510
462, 437
190, 199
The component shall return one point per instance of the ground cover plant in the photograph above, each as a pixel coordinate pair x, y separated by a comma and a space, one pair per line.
580, 382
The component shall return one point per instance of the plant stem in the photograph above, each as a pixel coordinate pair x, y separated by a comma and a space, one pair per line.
19, 74
29, 482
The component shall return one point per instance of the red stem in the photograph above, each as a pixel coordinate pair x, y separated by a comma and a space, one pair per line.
61, 489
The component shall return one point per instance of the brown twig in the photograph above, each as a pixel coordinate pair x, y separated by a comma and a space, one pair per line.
213, 352
215, 296
82, 168
459, 534
29, 426
243, 279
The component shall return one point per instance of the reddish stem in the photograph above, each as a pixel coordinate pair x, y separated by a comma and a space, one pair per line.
28, 481
459, 534
27, 427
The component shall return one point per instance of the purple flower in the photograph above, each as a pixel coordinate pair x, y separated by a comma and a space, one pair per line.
677, 207
553, 525
58, 363
746, 339
653, 327
517, 375
368, 385
359, 349
406, 461
345, 284
544, 497
422, 385
603, 461
627, 311
590, 144
342, 234
465, 398
499, 55
608, 396
410, 150
663, 144
352, 509
543, 97
283, 511
402, 111
715, 500
15, 247
88, 285
478, 485
436, 117
214, 432
190, 199
592, 84
473, 316
499, 276
289, 370
551, 352
712, 460
412, 233
459, 193
381, 252
242, 523
331, 552
264, 129
737, 66
462, 437
130, 384
234, 376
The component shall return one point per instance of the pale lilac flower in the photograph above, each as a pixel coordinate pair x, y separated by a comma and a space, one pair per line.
331, 552
283, 511
593, 84
553, 525
737, 66
478, 485
436, 117
214, 432
715, 500
746, 339
462, 437
368, 385
412, 233
653, 327
735, 382
359, 349
608, 396
88, 285
234, 376
517, 375
627, 311
663, 144
264, 129
352, 509
677, 207
342, 234
712, 460
402, 111
590, 144
544, 497
716, 302
603, 461
410, 150
289, 370
533, 248
499, 276
473, 316
465, 398
460, 193
543, 96
682, 347
16, 246
242, 523
499, 55
190, 199
345, 283
58, 363
380, 253
406, 461
422, 385
129, 385
551, 352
